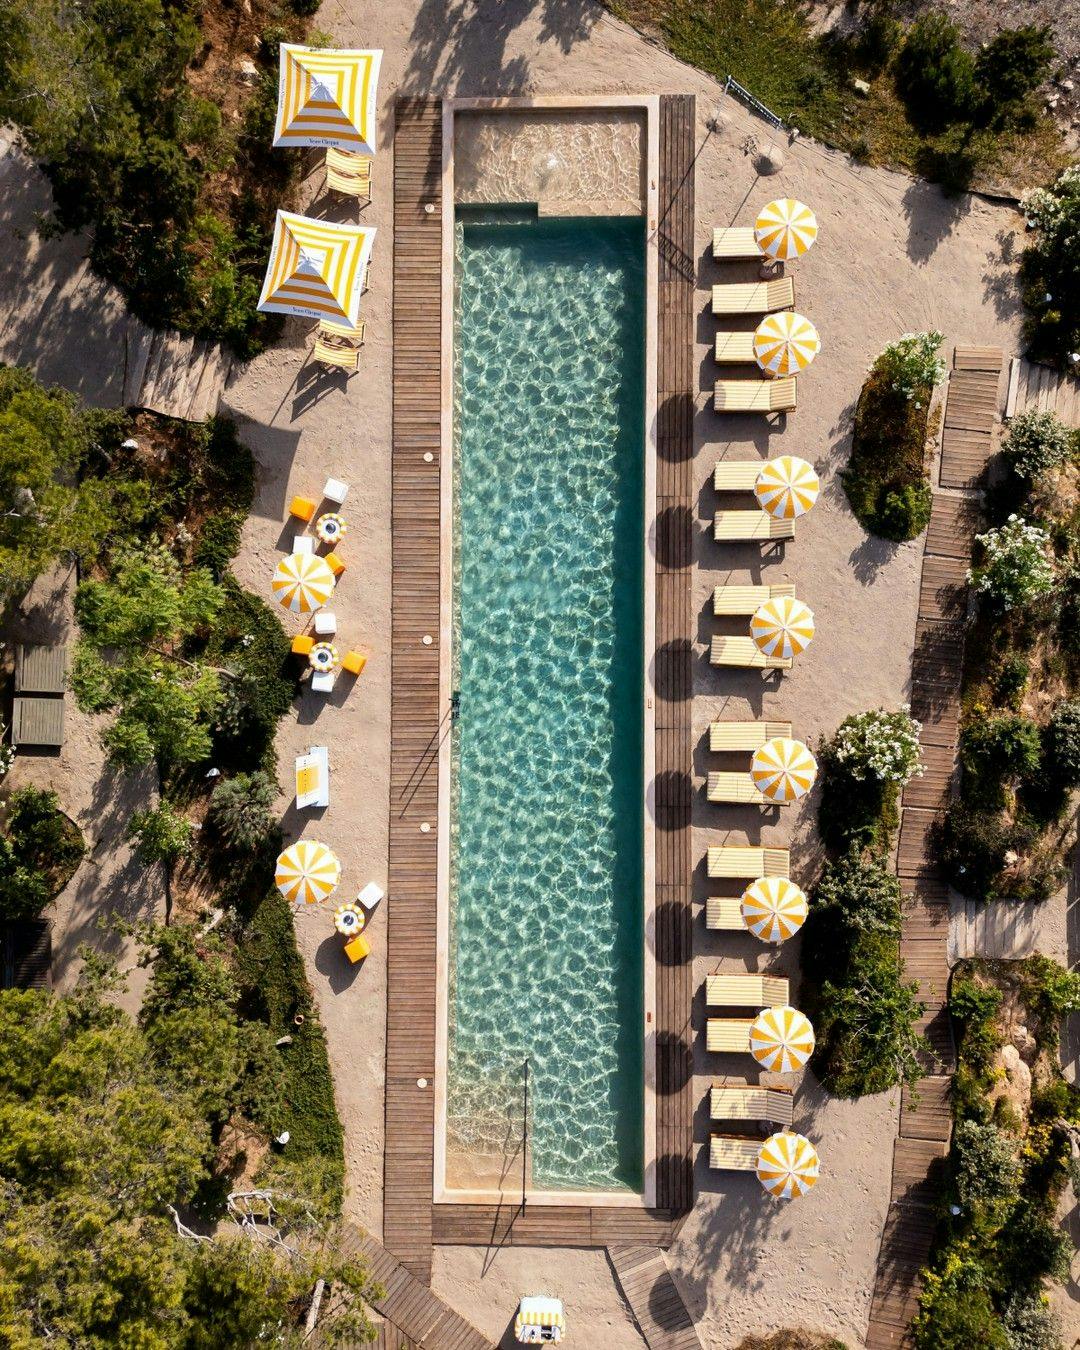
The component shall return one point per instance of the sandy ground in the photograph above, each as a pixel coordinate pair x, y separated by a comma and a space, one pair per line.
895, 255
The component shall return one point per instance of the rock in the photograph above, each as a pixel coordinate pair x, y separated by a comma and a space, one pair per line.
1068, 86
861, 87
1010, 1057
248, 71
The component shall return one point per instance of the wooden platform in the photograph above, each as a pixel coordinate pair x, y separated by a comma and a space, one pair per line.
415, 1318
676, 505
415, 722
654, 1298
1042, 388
26, 954
551, 1225
937, 668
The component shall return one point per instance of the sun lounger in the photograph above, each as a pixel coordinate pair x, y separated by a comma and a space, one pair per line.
737, 475
753, 297
750, 527
731, 736
733, 243
738, 600
313, 778
744, 653
751, 1103
728, 1035
343, 358
746, 991
348, 173
755, 396
734, 349
732, 1153
723, 913
739, 862
736, 789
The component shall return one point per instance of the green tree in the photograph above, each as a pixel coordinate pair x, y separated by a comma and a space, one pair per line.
130, 659
1011, 66
162, 835
935, 75
240, 813
46, 512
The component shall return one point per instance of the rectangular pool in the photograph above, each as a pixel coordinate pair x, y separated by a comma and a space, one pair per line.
547, 760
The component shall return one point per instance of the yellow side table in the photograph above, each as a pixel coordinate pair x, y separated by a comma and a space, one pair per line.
357, 948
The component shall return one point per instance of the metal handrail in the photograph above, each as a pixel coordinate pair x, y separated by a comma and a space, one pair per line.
732, 86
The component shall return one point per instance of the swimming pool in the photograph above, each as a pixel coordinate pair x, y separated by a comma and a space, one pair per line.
547, 764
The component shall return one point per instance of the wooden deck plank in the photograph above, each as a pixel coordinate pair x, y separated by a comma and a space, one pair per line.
654, 1298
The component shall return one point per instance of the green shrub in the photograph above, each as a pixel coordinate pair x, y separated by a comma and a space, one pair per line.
161, 835
986, 1168
974, 846
955, 1309
1010, 67
997, 751
1031, 1245
1010, 680
239, 813
934, 74
1051, 267
863, 767
905, 511
1062, 743
1036, 443
218, 541
1030, 1324
1050, 990
39, 852
975, 1006
878, 744
1015, 567
912, 365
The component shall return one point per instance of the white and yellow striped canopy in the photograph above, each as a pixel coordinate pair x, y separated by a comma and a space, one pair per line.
781, 1039
307, 871
787, 487
783, 769
537, 1311
785, 343
785, 229
302, 582
316, 269
773, 908
782, 626
788, 1165
327, 98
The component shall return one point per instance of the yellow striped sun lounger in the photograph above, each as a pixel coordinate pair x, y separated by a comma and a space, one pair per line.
750, 527
744, 653
728, 1035
751, 1103
732, 1153
741, 862
755, 396
734, 736
737, 475
734, 349
746, 991
753, 297
736, 789
739, 600
723, 913
734, 242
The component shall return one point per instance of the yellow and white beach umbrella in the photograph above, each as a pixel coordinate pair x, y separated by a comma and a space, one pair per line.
783, 769
785, 343
787, 487
307, 871
788, 1165
302, 582
316, 269
327, 97
773, 908
782, 626
781, 1039
785, 229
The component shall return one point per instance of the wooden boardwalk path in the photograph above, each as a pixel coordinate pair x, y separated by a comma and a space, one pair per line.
937, 667
415, 720
654, 1298
415, 1318
1040, 387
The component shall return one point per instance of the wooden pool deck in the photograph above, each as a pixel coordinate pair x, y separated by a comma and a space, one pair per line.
412, 1223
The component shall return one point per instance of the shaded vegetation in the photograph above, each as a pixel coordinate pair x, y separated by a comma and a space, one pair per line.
40, 848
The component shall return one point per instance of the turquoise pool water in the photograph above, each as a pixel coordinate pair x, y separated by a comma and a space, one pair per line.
547, 795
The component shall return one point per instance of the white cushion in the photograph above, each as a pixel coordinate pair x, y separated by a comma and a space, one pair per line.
370, 896
335, 490
322, 681
303, 543
325, 622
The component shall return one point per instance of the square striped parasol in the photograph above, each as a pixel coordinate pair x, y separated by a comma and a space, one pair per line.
316, 269
327, 98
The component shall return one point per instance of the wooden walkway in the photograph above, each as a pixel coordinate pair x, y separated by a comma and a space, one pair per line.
675, 507
1040, 387
654, 1298
415, 721
415, 1318
551, 1225
937, 667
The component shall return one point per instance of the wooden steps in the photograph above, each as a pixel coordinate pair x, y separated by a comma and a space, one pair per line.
654, 1298
177, 376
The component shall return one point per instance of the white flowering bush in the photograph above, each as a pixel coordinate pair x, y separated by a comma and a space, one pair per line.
1036, 443
879, 744
7, 755
1050, 270
912, 365
1016, 567
1046, 207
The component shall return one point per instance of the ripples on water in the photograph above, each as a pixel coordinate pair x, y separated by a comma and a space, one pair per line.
548, 785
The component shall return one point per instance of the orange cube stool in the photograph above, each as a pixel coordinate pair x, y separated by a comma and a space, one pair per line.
335, 564
357, 948
353, 662
302, 644
303, 508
